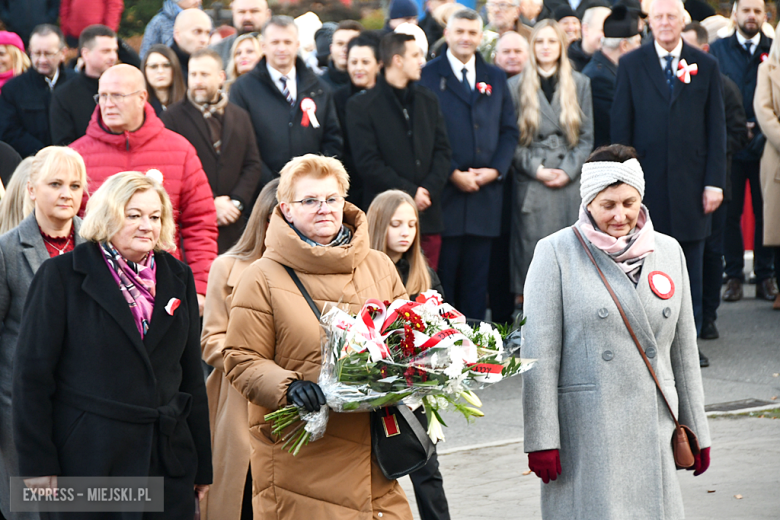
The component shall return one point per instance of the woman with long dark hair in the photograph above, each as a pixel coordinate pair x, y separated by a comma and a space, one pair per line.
164, 80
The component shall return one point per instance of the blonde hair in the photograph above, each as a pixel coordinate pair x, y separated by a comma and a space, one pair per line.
52, 160
316, 166
774, 50
380, 213
251, 245
106, 209
530, 86
16, 205
232, 71
20, 62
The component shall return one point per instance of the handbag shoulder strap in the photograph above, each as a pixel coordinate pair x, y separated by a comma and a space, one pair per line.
625, 320
417, 429
303, 290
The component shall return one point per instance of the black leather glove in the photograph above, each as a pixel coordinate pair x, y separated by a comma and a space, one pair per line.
305, 394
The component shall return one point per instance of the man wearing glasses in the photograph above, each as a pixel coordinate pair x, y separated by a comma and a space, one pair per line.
24, 102
126, 135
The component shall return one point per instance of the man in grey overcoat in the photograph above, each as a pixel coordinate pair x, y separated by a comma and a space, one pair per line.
590, 401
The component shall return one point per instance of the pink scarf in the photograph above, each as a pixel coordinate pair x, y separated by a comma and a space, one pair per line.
629, 251
5, 77
136, 282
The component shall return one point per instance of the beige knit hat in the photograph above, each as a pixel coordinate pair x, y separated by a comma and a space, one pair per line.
597, 176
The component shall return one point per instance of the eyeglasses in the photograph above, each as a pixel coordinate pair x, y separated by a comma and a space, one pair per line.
116, 98
312, 204
502, 6
47, 55
157, 66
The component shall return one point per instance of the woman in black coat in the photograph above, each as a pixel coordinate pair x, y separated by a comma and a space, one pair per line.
109, 382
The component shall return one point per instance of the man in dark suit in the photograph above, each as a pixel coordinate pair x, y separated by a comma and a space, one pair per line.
581, 51
398, 138
222, 135
739, 57
737, 138
675, 120
292, 112
621, 35
483, 134
73, 104
25, 99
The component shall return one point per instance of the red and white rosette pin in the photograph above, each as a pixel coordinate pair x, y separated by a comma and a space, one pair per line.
172, 305
309, 113
685, 71
661, 284
764, 56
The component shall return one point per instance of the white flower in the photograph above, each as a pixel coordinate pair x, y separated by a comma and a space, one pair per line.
499, 341
155, 174
471, 397
441, 403
455, 368
435, 431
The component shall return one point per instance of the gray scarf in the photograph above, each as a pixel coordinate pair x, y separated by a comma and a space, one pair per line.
344, 237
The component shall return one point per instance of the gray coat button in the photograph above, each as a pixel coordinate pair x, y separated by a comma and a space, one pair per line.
667, 312
607, 355
603, 312
650, 352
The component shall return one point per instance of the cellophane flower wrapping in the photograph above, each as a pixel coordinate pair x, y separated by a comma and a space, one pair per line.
420, 352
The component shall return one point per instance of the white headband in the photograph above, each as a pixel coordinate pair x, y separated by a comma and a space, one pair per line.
596, 176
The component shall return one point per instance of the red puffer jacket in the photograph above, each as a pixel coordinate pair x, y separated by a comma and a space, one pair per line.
154, 146
76, 15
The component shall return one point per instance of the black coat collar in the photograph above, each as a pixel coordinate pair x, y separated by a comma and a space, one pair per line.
101, 287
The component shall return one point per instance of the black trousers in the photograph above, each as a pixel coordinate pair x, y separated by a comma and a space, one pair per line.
464, 264
500, 295
734, 249
429, 485
694, 257
712, 276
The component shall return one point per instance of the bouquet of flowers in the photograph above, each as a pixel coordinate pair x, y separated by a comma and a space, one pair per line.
420, 352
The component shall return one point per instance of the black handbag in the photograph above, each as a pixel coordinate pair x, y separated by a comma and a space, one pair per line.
398, 440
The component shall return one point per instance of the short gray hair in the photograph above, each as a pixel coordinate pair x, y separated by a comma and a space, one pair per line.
282, 21
466, 14
593, 11
611, 43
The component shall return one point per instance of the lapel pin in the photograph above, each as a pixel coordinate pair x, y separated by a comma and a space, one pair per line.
661, 284
443, 84
173, 304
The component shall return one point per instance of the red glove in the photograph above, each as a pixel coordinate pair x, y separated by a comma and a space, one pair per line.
700, 462
546, 464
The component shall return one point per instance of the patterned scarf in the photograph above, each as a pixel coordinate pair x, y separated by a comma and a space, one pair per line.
136, 283
344, 237
629, 251
212, 113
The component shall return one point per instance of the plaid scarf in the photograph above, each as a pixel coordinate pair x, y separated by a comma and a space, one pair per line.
212, 113
136, 283
344, 237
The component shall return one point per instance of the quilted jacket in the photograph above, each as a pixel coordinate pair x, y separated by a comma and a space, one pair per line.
154, 147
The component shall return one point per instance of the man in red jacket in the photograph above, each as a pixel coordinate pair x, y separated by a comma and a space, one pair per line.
126, 135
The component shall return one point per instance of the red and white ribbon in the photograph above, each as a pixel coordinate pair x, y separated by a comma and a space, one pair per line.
309, 113
685, 71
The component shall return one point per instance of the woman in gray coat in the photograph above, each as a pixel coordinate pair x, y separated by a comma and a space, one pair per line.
57, 182
555, 115
596, 428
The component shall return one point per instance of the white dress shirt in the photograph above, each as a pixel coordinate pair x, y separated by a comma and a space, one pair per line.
755, 40
292, 85
663, 53
457, 68
53, 81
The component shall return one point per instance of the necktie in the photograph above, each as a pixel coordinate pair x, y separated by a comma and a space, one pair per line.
748, 46
669, 73
286, 91
465, 80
